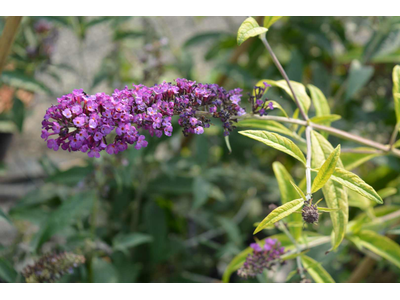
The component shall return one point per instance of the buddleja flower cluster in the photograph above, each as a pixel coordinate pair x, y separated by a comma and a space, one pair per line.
51, 267
92, 123
259, 105
262, 258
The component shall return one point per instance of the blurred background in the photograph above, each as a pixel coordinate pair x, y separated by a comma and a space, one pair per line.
182, 208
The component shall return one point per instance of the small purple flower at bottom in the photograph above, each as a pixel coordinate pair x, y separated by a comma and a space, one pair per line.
199, 130
270, 105
52, 144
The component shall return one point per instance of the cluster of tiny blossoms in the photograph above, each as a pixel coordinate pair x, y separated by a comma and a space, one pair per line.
259, 105
262, 258
92, 123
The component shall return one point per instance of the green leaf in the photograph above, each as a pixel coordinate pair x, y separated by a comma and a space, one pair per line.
298, 88
298, 190
387, 192
327, 209
320, 103
288, 192
248, 29
278, 106
18, 113
396, 91
201, 190
228, 144
125, 241
326, 120
276, 141
279, 213
359, 75
68, 213
326, 170
355, 183
4, 216
316, 271
353, 160
268, 21
380, 245
334, 193
266, 125
71, 176
203, 37
7, 271
20, 80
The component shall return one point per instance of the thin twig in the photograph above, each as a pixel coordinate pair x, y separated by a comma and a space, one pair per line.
394, 135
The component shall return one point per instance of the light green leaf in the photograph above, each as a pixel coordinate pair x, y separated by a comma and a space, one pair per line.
320, 103
353, 160
248, 29
298, 88
326, 170
316, 271
268, 21
288, 193
327, 209
278, 106
359, 75
328, 119
228, 144
279, 213
334, 194
299, 191
380, 245
355, 183
276, 141
125, 241
387, 192
396, 91
266, 125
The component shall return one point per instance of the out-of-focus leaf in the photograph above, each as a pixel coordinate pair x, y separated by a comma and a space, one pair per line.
201, 191
320, 103
267, 125
248, 29
228, 144
299, 191
353, 160
269, 21
125, 241
326, 170
103, 271
276, 141
4, 216
7, 272
71, 176
127, 34
201, 38
298, 88
279, 213
327, 209
387, 192
359, 75
355, 183
69, 212
380, 245
396, 91
20, 80
18, 113
288, 193
334, 193
326, 120
316, 271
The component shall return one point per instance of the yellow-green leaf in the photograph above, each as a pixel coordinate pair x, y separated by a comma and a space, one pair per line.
298, 88
278, 106
353, 160
268, 21
276, 141
327, 209
266, 125
380, 245
396, 91
328, 119
279, 213
326, 170
334, 194
248, 29
355, 183
316, 271
320, 103
387, 192
299, 191
288, 193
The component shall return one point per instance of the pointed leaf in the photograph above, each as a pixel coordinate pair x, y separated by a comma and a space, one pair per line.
268, 21
334, 194
380, 245
355, 183
320, 103
248, 29
396, 91
353, 160
359, 75
276, 141
316, 271
279, 213
266, 125
327, 209
288, 193
299, 191
326, 120
326, 170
